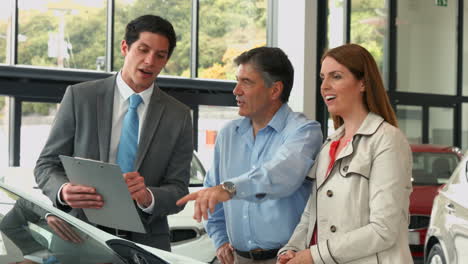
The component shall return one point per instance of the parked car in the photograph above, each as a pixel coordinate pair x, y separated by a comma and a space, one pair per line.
432, 167
188, 237
27, 237
447, 235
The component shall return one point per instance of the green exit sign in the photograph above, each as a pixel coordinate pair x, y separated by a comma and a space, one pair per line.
441, 2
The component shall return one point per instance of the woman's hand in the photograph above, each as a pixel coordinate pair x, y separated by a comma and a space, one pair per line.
285, 257
302, 257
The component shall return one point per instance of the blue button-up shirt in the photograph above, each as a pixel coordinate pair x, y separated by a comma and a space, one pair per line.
269, 172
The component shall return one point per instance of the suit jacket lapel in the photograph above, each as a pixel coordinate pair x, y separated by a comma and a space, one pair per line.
153, 116
105, 104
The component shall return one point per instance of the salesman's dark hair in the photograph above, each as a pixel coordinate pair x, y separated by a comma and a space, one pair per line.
153, 24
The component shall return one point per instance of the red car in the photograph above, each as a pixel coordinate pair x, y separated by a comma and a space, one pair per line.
432, 167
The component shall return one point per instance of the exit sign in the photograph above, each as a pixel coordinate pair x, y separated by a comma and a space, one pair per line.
441, 2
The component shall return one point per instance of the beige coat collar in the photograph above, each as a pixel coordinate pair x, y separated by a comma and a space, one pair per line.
368, 127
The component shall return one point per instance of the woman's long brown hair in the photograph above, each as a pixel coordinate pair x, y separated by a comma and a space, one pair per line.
362, 65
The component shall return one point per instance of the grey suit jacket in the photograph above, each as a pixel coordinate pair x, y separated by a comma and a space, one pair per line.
82, 128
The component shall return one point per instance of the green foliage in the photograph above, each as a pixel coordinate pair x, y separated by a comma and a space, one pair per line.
44, 109
368, 27
35, 26
227, 26
87, 34
3, 40
178, 12
224, 26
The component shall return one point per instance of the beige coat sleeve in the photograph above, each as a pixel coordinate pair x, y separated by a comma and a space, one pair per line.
300, 239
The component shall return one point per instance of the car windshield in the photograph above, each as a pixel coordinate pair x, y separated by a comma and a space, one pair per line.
433, 168
197, 172
27, 237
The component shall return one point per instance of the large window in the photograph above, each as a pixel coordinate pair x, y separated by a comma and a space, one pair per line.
76, 37
419, 49
62, 34
427, 47
369, 28
227, 28
5, 30
441, 125
211, 120
75, 34
178, 12
36, 122
336, 25
410, 122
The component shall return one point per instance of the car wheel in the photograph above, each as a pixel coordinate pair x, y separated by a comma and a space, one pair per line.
436, 255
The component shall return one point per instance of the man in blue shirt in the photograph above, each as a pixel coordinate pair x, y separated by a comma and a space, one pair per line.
260, 164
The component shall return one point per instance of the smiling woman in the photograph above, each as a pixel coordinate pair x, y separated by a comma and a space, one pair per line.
341, 90
363, 172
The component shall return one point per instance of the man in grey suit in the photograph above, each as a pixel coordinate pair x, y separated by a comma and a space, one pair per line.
91, 123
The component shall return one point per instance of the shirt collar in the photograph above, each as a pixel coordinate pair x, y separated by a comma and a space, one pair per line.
278, 122
125, 90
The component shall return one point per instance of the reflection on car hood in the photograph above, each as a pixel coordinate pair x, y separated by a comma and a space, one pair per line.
97, 234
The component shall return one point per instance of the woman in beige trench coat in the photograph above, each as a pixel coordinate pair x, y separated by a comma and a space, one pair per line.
358, 209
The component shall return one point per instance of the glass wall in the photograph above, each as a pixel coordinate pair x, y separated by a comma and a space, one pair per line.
464, 134
227, 28
410, 122
427, 47
5, 30
418, 57
36, 121
178, 12
211, 119
441, 126
62, 34
336, 24
73, 33
369, 28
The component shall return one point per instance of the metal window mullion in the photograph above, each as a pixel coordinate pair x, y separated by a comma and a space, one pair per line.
425, 125
196, 112
194, 39
457, 126
110, 35
272, 25
347, 20
14, 131
322, 29
390, 79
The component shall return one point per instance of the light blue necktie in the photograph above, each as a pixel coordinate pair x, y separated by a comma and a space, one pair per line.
129, 138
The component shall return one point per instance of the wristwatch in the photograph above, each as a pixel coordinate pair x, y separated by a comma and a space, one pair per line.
230, 187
